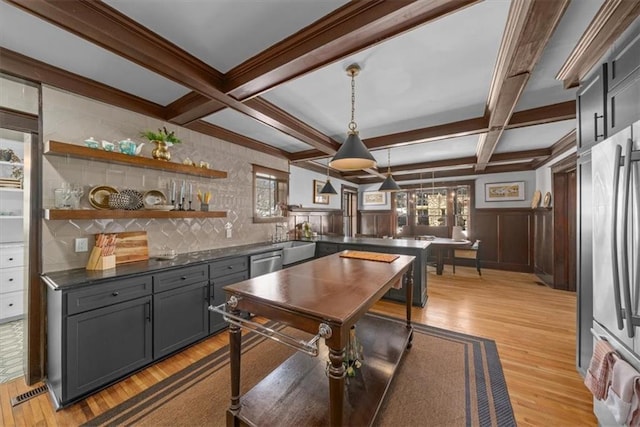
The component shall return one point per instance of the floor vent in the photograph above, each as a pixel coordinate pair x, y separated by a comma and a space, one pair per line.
28, 395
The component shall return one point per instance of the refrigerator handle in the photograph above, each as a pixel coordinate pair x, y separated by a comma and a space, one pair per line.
624, 259
614, 235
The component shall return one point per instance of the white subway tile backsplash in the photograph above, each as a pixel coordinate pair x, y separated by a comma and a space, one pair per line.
70, 118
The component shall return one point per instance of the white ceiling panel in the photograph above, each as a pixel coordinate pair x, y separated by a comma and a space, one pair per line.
421, 78
543, 88
534, 137
225, 33
50, 44
428, 151
245, 125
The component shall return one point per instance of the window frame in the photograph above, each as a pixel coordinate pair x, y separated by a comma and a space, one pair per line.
281, 178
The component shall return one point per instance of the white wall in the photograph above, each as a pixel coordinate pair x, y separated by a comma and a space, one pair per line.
373, 187
301, 188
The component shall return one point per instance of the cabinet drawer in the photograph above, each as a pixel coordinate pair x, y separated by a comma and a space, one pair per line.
228, 266
11, 304
11, 256
106, 294
180, 277
324, 249
11, 279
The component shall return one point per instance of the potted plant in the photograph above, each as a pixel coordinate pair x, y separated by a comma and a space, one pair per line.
163, 140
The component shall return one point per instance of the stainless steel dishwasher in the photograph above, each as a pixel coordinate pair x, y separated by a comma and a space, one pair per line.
265, 263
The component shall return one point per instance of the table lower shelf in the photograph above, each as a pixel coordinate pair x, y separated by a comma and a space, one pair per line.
297, 392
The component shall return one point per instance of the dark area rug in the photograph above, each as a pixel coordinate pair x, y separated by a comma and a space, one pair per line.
445, 379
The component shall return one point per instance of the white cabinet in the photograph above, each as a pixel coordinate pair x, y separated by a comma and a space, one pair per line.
11, 230
11, 281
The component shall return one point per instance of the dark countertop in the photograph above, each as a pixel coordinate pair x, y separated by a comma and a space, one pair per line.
372, 241
80, 277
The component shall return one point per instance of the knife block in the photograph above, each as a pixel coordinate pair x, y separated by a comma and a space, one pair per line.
97, 261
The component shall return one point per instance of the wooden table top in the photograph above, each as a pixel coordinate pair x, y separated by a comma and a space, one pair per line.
331, 288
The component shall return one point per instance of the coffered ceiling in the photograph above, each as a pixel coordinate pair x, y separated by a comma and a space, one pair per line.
460, 87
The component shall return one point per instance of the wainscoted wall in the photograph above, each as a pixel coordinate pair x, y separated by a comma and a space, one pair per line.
507, 238
72, 119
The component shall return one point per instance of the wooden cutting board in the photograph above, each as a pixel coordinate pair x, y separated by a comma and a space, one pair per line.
131, 246
369, 256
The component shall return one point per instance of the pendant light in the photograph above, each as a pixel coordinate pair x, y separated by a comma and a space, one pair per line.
353, 154
328, 188
389, 184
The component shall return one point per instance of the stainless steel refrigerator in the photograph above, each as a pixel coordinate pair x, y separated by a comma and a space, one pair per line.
616, 247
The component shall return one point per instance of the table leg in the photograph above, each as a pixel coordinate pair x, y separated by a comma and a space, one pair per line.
336, 385
409, 297
235, 346
439, 262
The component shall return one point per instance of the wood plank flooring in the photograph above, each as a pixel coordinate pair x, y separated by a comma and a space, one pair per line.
533, 326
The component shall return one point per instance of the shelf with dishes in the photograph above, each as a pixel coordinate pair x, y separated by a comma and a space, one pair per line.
63, 214
57, 148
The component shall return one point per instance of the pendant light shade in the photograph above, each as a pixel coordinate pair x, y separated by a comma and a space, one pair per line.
389, 183
353, 154
328, 189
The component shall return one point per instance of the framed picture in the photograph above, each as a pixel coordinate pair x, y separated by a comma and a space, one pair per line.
320, 199
504, 191
374, 198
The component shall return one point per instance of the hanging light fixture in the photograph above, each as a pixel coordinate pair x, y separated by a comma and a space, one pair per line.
328, 188
353, 154
389, 184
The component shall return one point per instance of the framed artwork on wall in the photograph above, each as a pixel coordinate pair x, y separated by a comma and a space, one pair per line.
374, 198
320, 199
504, 191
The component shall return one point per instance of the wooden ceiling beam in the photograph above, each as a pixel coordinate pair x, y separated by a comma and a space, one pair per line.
191, 107
226, 135
24, 67
102, 25
530, 25
543, 115
351, 28
613, 17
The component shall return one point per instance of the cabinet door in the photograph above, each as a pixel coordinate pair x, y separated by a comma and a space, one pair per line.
180, 317
591, 114
324, 249
624, 104
216, 295
106, 344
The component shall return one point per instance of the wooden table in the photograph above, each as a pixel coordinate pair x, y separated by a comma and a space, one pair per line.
338, 292
443, 244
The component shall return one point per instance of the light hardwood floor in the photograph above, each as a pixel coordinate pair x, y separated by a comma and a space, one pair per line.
533, 326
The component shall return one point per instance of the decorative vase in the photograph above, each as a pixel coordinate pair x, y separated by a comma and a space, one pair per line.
161, 152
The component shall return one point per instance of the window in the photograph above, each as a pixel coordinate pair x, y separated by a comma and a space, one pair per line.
431, 207
270, 192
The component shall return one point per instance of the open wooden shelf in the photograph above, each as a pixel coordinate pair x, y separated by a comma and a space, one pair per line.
53, 214
78, 151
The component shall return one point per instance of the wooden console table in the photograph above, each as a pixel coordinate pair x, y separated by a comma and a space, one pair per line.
337, 292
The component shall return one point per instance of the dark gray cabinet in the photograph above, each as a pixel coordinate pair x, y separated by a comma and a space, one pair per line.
223, 273
97, 334
180, 318
324, 249
591, 111
623, 97
106, 344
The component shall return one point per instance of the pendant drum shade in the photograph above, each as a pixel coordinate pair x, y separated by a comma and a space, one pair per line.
353, 154
328, 189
